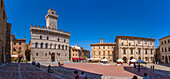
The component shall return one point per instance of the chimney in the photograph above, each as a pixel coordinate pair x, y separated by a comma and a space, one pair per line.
101, 40
151, 37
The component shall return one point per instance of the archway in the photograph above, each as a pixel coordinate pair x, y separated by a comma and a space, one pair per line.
52, 57
28, 54
125, 59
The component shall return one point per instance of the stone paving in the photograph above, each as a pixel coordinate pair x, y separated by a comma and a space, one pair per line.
23, 71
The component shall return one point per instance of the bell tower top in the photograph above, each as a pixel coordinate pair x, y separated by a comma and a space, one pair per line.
51, 19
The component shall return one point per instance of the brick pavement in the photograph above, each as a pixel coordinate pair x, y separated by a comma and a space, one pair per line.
10, 71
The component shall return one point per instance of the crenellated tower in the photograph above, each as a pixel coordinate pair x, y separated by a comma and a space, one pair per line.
51, 19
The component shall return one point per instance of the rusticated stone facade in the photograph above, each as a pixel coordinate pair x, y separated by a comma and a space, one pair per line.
49, 44
165, 49
128, 47
4, 35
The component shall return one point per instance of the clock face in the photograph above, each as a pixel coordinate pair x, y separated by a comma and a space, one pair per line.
52, 24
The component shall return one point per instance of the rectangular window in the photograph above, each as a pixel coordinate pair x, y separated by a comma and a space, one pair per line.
162, 57
139, 51
146, 52
108, 52
165, 42
103, 52
19, 43
103, 47
131, 51
124, 51
151, 52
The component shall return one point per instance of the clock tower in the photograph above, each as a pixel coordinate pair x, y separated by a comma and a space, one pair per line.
51, 19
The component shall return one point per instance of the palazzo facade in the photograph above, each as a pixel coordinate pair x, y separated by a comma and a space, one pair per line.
49, 44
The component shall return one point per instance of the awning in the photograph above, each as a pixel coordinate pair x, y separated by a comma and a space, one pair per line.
14, 55
20, 55
75, 58
81, 58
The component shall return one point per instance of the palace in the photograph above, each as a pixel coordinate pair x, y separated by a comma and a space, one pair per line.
49, 44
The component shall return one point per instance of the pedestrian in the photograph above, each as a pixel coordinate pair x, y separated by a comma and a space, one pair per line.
62, 63
134, 65
82, 76
76, 75
38, 64
153, 67
138, 69
135, 77
49, 69
145, 76
129, 63
59, 64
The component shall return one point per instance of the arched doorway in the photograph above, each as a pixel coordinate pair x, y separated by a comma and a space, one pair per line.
125, 59
52, 57
28, 54
166, 59
131, 58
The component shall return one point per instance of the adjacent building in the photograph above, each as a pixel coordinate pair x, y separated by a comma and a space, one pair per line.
78, 53
103, 50
18, 48
129, 47
165, 49
49, 44
5, 32
157, 54
28, 51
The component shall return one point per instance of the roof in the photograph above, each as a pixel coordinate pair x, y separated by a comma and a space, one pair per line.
103, 44
133, 37
20, 40
164, 37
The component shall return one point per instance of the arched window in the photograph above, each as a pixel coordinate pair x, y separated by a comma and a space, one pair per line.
64, 40
146, 52
58, 39
50, 46
36, 44
59, 46
41, 45
66, 47
45, 54
36, 54
47, 37
46, 45
62, 47
40, 37
55, 46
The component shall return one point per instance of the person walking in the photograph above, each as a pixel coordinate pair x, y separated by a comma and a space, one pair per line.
62, 63
82, 76
145, 76
153, 67
135, 77
49, 69
76, 75
59, 64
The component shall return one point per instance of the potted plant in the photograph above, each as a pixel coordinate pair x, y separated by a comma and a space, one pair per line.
25, 60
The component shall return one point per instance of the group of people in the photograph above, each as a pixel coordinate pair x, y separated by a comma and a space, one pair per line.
37, 64
60, 64
145, 76
152, 67
82, 75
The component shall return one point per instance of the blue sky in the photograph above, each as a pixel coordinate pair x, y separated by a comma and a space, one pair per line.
90, 20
